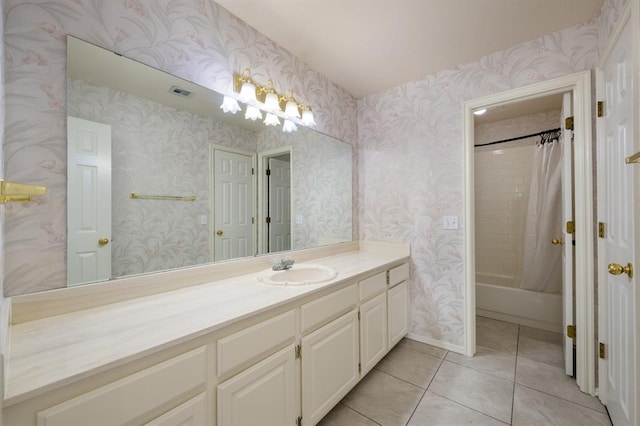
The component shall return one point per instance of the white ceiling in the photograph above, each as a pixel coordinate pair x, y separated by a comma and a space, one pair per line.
366, 46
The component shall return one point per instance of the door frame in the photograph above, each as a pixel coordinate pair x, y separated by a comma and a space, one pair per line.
579, 84
263, 164
212, 197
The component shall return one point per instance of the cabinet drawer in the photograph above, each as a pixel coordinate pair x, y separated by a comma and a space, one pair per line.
328, 307
255, 343
372, 286
133, 396
398, 274
192, 412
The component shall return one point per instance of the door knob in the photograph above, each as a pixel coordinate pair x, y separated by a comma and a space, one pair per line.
103, 241
219, 232
617, 269
557, 241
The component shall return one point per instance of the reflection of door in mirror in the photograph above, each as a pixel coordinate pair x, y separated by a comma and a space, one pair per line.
232, 204
88, 201
279, 204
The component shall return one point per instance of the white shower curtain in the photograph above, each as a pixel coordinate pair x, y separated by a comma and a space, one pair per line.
542, 263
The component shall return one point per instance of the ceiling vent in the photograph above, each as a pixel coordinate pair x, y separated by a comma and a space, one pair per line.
178, 91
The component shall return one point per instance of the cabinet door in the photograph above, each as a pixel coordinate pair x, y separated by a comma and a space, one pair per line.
373, 332
264, 394
329, 366
190, 413
398, 299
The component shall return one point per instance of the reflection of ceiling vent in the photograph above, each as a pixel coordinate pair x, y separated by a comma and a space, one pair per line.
179, 91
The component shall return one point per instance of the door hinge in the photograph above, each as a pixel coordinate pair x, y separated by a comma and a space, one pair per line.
388, 280
268, 172
253, 171
600, 107
603, 350
571, 227
252, 220
298, 351
571, 331
299, 421
267, 219
359, 367
602, 230
568, 123
358, 315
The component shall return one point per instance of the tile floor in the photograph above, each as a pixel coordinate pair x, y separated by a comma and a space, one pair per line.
517, 377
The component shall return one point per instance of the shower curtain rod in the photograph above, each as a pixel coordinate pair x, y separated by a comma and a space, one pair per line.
543, 133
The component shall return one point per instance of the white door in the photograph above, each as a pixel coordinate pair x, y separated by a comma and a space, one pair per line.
233, 205
264, 394
616, 249
88, 201
568, 299
279, 205
329, 366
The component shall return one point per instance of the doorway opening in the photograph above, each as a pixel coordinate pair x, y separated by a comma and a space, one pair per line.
578, 86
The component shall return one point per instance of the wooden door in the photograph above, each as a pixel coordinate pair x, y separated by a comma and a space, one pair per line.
279, 205
617, 248
373, 332
233, 205
88, 201
398, 299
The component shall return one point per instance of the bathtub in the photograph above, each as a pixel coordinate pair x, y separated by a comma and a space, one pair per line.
530, 308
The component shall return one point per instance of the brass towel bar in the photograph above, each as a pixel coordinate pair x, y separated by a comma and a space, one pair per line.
136, 196
635, 158
19, 192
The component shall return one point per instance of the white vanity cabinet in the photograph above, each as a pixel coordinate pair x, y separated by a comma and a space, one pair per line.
329, 366
129, 400
398, 303
264, 394
373, 321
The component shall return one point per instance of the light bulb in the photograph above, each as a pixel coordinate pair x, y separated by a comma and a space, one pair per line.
271, 102
271, 120
307, 117
289, 126
229, 105
291, 110
253, 113
480, 111
248, 93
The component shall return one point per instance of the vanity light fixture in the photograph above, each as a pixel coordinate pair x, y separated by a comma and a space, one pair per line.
289, 126
307, 117
253, 113
230, 105
271, 120
480, 111
274, 103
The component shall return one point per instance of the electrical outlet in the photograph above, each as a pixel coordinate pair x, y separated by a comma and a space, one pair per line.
450, 222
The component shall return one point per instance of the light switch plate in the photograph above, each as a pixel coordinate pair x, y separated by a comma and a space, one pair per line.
450, 222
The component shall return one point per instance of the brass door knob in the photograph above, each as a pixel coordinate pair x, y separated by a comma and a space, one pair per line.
557, 241
617, 269
219, 232
103, 241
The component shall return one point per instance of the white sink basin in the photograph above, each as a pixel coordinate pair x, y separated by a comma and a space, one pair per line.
301, 274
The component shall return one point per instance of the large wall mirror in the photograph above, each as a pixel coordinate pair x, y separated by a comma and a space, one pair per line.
160, 178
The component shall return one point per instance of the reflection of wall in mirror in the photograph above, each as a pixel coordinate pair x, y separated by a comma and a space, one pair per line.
156, 150
321, 186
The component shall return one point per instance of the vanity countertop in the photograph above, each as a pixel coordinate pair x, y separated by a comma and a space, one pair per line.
47, 353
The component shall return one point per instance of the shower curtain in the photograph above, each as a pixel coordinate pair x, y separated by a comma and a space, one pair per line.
542, 263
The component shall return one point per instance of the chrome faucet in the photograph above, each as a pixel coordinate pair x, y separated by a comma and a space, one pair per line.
282, 264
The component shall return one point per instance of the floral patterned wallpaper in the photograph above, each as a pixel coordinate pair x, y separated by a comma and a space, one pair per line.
410, 151
194, 39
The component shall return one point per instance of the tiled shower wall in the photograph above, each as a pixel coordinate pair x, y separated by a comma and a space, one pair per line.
502, 179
